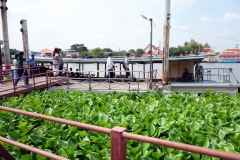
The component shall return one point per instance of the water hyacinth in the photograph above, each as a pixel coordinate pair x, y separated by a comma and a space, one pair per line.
207, 120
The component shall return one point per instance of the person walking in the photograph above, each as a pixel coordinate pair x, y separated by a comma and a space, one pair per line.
60, 63
21, 69
55, 62
110, 67
32, 64
126, 65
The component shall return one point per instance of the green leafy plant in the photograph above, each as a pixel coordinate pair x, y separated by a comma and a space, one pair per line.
209, 120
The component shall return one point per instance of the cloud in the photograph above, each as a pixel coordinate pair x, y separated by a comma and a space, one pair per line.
155, 1
141, 32
187, 3
226, 31
101, 36
37, 27
229, 16
132, 2
205, 18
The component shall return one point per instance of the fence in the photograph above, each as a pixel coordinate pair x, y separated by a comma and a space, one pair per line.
118, 136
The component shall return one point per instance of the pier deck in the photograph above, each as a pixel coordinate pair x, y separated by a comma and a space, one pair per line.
7, 90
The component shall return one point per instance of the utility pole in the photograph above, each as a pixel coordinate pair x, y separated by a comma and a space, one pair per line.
166, 30
24, 31
5, 33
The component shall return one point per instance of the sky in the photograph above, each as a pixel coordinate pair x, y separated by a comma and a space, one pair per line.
117, 24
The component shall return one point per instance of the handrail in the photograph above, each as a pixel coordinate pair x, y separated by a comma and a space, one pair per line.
119, 136
32, 149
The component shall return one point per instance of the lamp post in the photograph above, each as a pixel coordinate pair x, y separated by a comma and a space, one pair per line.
151, 63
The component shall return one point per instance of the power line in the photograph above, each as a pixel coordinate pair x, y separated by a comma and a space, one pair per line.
202, 34
207, 35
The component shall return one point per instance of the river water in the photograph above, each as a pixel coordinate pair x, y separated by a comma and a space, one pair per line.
158, 66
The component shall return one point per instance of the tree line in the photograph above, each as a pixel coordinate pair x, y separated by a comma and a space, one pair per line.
191, 47
101, 52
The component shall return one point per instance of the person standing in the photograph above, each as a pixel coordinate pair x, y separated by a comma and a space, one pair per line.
110, 67
60, 63
15, 67
55, 62
126, 65
21, 69
32, 64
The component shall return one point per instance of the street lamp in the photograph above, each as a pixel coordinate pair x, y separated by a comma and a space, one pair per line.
151, 64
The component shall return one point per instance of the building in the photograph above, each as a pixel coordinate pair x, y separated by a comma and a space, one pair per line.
155, 51
46, 52
230, 53
69, 54
207, 50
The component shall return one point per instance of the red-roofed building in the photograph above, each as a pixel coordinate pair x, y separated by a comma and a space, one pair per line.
46, 52
155, 51
230, 53
207, 50
70, 54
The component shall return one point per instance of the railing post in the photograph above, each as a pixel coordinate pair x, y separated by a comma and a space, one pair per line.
138, 81
89, 78
4, 153
118, 144
47, 79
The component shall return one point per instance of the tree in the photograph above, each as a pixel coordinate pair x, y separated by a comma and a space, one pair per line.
84, 54
97, 53
13, 51
195, 46
132, 51
74, 56
139, 52
107, 50
78, 47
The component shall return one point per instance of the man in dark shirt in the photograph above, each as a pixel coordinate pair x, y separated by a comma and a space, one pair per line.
21, 65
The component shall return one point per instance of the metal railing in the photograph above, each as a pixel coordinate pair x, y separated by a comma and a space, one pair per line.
118, 136
216, 74
89, 82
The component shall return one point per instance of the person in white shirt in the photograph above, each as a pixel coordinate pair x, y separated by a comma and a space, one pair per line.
55, 62
126, 64
15, 66
110, 66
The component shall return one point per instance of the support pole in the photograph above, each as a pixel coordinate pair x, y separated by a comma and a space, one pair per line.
5, 32
166, 30
151, 63
24, 31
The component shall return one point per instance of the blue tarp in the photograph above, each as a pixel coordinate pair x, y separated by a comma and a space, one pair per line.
229, 61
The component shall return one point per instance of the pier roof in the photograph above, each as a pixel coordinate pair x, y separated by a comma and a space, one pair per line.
120, 60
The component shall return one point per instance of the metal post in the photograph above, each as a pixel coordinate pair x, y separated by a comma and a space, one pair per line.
89, 78
151, 64
118, 144
24, 31
97, 70
5, 32
138, 81
166, 30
